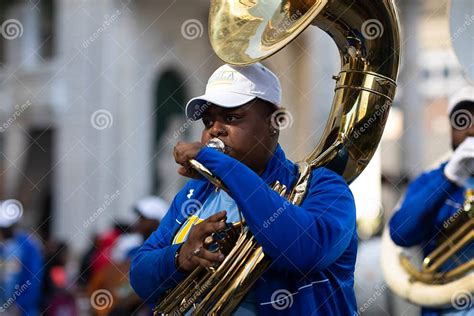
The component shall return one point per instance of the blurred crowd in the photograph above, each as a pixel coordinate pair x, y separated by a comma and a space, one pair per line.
36, 279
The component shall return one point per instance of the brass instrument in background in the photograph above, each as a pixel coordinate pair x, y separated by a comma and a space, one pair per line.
458, 233
243, 32
431, 285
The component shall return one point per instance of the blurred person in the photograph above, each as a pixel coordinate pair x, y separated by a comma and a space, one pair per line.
150, 211
58, 299
98, 260
101, 257
313, 245
435, 196
114, 278
21, 264
85, 270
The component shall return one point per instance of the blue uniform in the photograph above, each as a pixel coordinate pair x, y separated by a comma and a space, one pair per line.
313, 246
430, 201
21, 265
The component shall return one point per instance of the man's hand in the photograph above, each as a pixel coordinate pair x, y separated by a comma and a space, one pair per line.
461, 165
192, 253
183, 152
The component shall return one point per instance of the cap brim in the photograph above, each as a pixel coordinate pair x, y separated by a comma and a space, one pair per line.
5, 223
197, 106
463, 95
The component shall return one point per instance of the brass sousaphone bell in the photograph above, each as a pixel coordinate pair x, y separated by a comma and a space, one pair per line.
243, 32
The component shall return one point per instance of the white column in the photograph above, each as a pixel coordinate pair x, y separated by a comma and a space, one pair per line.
22, 33
409, 89
85, 189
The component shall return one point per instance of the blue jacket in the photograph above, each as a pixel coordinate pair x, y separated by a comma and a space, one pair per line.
429, 203
21, 265
313, 246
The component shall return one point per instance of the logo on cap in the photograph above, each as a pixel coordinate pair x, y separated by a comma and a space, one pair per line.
223, 77
248, 3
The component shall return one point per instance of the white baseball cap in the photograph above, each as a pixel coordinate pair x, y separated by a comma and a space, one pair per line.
233, 86
462, 95
124, 245
152, 207
11, 211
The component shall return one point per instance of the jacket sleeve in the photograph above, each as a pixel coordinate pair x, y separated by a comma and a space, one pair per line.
298, 238
411, 224
153, 269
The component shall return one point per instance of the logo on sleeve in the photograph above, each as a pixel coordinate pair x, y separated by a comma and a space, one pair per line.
190, 194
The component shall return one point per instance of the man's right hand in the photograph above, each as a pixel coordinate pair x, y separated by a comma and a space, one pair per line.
192, 253
461, 165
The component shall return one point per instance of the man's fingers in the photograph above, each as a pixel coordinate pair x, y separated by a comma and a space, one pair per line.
193, 174
207, 228
176, 152
189, 173
182, 171
205, 263
185, 172
217, 217
210, 256
183, 152
179, 153
211, 225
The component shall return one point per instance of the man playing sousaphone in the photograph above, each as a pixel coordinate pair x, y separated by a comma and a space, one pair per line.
435, 198
313, 246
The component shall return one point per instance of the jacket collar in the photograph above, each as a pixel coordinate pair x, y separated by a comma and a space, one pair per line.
279, 168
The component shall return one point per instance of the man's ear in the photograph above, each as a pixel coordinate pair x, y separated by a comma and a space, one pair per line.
273, 120
272, 128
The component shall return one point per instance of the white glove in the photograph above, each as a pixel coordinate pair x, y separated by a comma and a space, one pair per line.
461, 165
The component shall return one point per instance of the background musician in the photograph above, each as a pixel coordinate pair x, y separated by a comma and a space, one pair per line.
436, 196
21, 264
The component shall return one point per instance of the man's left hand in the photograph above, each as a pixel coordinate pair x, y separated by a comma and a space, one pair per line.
183, 152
